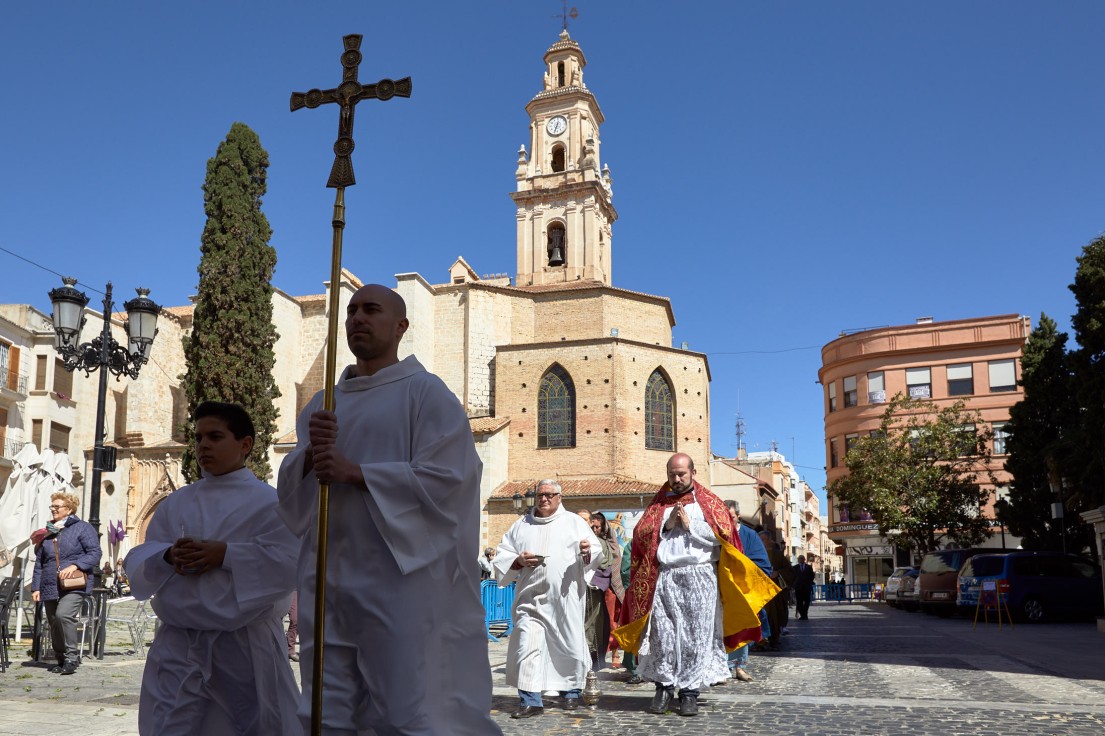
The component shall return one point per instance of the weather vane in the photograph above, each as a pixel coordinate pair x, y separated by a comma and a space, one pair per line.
346, 95
567, 13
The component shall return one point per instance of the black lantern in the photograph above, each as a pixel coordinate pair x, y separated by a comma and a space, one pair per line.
517, 499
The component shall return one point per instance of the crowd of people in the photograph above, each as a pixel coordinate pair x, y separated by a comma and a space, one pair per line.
403, 650
683, 599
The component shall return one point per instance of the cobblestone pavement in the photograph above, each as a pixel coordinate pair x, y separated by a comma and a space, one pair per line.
852, 669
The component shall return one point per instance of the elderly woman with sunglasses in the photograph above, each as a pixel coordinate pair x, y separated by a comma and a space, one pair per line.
71, 547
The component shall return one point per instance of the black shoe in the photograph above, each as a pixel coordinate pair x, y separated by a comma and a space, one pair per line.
661, 700
571, 703
69, 668
528, 711
688, 705
634, 679
57, 668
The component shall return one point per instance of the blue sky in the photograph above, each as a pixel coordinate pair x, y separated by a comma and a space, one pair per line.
782, 171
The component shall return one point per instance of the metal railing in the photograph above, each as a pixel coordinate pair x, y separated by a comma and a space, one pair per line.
11, 447
17, 383
841, 592
497, 607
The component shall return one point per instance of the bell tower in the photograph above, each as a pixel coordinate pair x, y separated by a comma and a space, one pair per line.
564, 196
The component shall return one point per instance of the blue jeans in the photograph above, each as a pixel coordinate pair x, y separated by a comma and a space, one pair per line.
534, 698
738, 658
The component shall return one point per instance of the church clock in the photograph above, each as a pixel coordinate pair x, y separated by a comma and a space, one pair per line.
557, 125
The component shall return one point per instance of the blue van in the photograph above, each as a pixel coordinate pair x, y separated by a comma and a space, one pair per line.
1036, 585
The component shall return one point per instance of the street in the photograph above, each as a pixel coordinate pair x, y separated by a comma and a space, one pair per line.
852, 669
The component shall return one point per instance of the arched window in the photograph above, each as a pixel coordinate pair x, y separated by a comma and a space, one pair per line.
659, 413
558, 158
560, 74
556, 409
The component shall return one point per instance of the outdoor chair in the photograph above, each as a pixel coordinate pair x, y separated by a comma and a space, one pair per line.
9, 589
136, 621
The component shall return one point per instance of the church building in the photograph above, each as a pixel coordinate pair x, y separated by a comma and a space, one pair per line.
563, 374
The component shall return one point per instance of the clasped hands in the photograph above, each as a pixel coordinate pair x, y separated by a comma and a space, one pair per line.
195, 556
678, 517
323, 457
532, 559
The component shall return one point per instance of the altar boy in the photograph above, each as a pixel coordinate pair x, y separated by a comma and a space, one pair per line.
219, 565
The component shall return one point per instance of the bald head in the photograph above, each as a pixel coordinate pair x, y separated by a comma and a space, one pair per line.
384, 296
375, 322
680, 473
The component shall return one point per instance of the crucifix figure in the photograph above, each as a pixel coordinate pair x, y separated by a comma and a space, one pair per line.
347, 95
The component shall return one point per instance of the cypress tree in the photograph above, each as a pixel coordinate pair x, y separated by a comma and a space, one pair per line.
229, 354
1084, 470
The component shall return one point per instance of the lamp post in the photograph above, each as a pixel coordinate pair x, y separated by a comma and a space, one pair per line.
517, 499
106, 355
531, 499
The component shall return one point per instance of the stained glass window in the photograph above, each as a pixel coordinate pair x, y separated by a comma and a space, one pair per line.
659, 413
556, 412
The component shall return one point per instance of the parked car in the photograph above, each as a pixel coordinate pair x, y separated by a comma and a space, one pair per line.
890, 592
1035, 585
937, 583
908, 591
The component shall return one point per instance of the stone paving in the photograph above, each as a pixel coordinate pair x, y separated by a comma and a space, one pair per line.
852, 669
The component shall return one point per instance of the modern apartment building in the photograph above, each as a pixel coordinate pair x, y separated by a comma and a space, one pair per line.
973, 360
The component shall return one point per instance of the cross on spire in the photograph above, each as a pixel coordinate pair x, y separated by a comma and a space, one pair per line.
347, 95
567, 13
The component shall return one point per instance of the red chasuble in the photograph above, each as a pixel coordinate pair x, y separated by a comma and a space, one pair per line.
743, 587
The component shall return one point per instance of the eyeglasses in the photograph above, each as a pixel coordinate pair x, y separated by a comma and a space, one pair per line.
547, 495
55, 508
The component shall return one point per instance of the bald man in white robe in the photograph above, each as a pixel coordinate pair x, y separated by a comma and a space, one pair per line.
405, 649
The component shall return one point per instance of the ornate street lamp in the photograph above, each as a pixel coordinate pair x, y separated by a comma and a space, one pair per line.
517, 499
103, 354
531, 499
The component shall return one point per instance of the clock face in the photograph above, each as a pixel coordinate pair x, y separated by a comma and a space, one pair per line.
557, 125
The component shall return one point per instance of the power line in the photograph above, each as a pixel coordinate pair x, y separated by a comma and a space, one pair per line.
766, 352
47, 269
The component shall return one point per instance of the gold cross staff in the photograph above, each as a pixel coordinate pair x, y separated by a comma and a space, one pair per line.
346, 95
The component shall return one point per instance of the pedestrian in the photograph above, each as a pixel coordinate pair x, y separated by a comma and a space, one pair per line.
547, 552
614, 592
219, 564
596, 619
754, 549
293, 628
405, 650
69, 550
803, 588
486, 570
630, 658
680, 541
777, 608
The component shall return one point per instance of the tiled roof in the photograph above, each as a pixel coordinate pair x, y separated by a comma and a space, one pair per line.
480, 425
185, 311
605, 486
484, 425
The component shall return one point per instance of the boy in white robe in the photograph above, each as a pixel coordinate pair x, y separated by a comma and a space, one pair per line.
219, 564
405, 649
548, 552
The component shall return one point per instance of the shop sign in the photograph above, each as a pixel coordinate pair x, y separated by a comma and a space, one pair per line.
860, 526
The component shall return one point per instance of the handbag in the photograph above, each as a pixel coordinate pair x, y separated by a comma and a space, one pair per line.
77, 582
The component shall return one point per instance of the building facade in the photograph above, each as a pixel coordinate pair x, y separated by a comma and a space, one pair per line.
562, 374
976, 361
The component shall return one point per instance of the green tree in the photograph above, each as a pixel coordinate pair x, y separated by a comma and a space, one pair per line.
1084, 469
229, 353
1039, 430
921, 475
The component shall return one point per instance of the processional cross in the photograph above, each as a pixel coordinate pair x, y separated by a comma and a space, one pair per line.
346, 95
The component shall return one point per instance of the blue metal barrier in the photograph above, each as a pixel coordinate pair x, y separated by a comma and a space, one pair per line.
497, 607
841, 592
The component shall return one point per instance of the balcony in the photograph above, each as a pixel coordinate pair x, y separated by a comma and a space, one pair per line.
13, 386
9, 448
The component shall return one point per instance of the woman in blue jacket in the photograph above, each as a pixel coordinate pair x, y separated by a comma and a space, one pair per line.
71, 546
